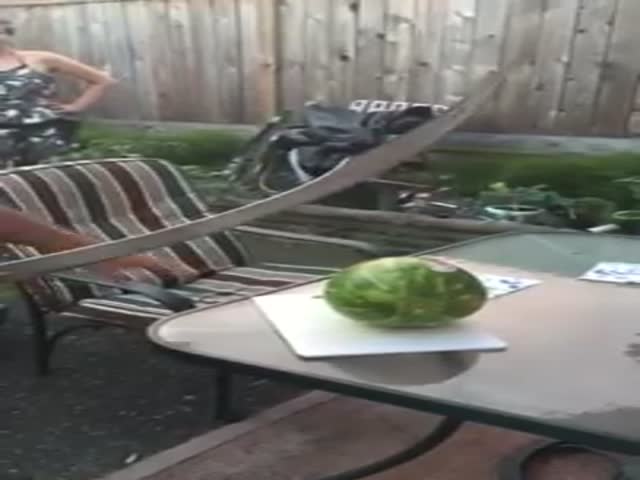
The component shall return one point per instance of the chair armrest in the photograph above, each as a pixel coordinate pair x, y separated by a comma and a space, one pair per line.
274, 246
171, 300
287, 267
363, 248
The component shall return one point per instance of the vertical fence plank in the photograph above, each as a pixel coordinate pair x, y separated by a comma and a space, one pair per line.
553, 56
426, 76
342, 52
119, 62
159, 58
620, 74
66, 90
398, 52
457, 49
370, 49
257, 23
490, 24
197, 35
141, 80
206, 61
230, 78
513, 112
183, 62
291, 20
89, 43
316, 50
585, 65
487, 54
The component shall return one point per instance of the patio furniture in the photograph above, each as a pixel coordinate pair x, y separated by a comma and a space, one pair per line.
568, 374
116, 198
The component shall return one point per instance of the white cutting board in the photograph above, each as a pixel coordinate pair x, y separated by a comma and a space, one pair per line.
313, 330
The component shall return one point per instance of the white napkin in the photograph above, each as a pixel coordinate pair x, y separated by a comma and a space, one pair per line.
498, 285
613, 272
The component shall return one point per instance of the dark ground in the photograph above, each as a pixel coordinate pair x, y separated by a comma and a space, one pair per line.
110, 400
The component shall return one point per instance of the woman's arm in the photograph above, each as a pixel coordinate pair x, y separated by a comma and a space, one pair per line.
98, 81
18, 228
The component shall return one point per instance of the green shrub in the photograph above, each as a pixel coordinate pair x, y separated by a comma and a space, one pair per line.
210, 148
570, 175
469, 172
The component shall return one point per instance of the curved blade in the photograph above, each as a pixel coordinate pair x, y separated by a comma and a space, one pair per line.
357, 169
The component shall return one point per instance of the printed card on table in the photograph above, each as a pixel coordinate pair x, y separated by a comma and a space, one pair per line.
498, 285
613, 272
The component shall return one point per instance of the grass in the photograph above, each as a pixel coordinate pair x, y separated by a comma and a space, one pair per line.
208, 148
570, 175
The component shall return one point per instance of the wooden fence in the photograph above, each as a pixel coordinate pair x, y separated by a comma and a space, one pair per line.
240, 60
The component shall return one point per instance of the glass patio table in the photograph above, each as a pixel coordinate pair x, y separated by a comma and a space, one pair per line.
571, 371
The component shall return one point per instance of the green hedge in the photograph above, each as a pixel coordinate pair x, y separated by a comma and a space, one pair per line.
210, 148
569, 175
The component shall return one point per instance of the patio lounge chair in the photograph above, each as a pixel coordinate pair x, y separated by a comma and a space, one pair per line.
116, 198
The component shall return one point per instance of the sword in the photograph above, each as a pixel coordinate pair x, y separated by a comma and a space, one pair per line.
351, 171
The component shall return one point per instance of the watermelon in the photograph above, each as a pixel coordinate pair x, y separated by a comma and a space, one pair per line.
401, 292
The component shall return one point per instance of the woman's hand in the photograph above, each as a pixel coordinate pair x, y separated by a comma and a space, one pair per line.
166, 270
25, 229
65, 107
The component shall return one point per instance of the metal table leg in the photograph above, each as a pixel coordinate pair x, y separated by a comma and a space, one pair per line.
445, 429
514, 467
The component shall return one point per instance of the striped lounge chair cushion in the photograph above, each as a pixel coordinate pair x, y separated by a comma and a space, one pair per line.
112, 199
137, 310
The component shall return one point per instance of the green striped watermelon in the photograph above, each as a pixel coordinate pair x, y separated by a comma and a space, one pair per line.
401, 292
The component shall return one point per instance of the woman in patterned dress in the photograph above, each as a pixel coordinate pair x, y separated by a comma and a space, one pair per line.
33, 127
